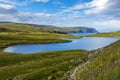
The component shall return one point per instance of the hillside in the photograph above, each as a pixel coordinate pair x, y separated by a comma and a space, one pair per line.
63, 30
73, 29
37, 66
109, 34
104, 64
11, 34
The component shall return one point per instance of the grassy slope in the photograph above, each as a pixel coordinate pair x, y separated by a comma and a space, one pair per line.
39, 66
110, 34
105, 66
53, 65
11, 34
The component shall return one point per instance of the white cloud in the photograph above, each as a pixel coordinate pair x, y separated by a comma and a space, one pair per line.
75, 7
72, 15
57, 3
108, 8
5, 1
44, 1
22, 3
97, 6
92, 7
43, 14
12, 2
106, 14
6, 6
107, 25
7, 17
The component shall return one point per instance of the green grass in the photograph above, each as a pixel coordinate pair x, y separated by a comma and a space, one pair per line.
58, 65
110, 34
38, 66
12, 34
104, 66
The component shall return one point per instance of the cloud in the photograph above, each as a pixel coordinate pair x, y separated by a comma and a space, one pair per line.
90, 7
113, 9
97, 6
101, 14
6, 6
22, 2
107, 25
7, 9
25, 17
100, 7
8, 1
72, 15
57, 3
7, 17
44, 1
105, 7
43, 14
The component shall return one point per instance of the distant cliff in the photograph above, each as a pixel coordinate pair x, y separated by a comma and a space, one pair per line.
72, 29
60, 30
80, 30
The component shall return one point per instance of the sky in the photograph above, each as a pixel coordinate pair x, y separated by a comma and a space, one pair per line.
104, 15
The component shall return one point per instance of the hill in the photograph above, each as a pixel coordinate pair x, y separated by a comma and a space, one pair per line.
11, 34
73, 29
109, 34
63, 30
103, 63
38, 66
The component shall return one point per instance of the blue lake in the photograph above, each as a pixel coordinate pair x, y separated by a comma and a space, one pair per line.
86, 43
81, 34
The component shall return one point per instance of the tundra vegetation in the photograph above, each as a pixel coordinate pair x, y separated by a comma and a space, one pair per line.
108, 34
58, 65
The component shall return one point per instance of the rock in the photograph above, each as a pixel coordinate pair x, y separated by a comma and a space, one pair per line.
50, 77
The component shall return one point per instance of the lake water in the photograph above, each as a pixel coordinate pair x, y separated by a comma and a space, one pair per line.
86, 43
81, 34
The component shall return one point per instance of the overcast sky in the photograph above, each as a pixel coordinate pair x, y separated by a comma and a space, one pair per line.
104, 15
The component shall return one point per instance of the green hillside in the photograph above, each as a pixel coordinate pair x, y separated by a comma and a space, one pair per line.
11, 34
110, 34
38, 66
103, 63
57, 29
